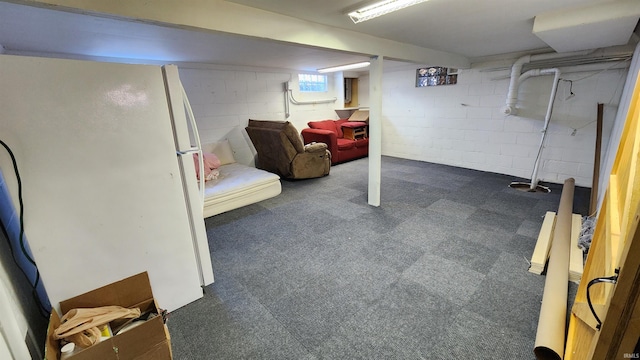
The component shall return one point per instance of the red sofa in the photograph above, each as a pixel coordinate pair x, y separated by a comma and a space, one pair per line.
330, 132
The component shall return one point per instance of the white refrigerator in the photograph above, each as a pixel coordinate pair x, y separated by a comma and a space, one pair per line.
109, 188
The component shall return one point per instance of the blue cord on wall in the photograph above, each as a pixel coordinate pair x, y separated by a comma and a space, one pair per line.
13, 226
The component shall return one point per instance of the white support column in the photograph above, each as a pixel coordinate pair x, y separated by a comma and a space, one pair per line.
375, 129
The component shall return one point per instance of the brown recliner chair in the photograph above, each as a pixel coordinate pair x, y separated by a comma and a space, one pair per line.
281, 151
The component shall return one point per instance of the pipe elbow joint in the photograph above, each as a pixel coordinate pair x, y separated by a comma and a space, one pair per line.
509, 110
522, 60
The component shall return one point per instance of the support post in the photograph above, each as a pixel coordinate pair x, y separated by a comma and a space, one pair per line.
375, 129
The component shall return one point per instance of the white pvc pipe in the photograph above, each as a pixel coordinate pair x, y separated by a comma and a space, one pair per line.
290, 97
313, 102
516, 69
547, 119
514, 84
286, 101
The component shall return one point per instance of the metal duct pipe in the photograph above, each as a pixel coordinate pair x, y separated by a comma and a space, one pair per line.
603, 66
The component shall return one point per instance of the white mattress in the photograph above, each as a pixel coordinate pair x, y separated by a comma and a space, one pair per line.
238, 185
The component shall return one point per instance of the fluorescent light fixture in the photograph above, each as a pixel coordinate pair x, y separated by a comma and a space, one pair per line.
380, 8
345, 67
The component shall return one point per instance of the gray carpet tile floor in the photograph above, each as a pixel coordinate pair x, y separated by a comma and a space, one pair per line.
438, 271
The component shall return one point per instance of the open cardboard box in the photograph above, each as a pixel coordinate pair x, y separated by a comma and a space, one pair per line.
150, 340
360, 115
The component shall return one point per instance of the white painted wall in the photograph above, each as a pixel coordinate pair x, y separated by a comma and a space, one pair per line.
461, 125
363, 91
225, 98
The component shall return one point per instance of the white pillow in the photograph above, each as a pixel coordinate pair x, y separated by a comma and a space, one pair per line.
222, 150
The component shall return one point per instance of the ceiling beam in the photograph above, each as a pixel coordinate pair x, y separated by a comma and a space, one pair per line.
588, 27
225, 17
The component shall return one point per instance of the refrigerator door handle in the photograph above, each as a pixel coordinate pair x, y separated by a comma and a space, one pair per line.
196, 135
200, 167
193, 150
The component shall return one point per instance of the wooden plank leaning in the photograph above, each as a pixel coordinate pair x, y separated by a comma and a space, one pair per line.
543, 245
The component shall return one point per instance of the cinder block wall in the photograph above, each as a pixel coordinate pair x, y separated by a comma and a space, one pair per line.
225, 98
459, 125
462, 124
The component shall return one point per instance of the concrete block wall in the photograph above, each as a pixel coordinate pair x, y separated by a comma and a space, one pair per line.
459, 125
224, 99
462, 125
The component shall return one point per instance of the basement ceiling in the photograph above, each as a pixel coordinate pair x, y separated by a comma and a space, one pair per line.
588, 27
38, 31
474, 29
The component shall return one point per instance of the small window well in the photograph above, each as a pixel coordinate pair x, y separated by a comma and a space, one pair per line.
312, 83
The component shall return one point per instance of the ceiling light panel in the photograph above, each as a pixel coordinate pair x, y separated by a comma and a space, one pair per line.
380, 8
345, 67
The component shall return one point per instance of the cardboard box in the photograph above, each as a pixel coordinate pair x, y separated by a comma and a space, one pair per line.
150, 340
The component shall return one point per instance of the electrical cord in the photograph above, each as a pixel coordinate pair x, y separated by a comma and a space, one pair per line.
43, 310
572, 94
611, 280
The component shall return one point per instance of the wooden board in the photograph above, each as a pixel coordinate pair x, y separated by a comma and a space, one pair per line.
615, 245
576, 258
596, 162
541, 251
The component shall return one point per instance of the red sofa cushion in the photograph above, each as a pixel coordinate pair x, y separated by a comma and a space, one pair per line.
339, 126
324, 125
362, 142
346, 144
353, 124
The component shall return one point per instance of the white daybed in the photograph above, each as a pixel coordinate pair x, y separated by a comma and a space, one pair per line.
237, 185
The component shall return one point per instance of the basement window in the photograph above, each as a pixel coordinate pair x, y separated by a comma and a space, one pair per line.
312, 83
